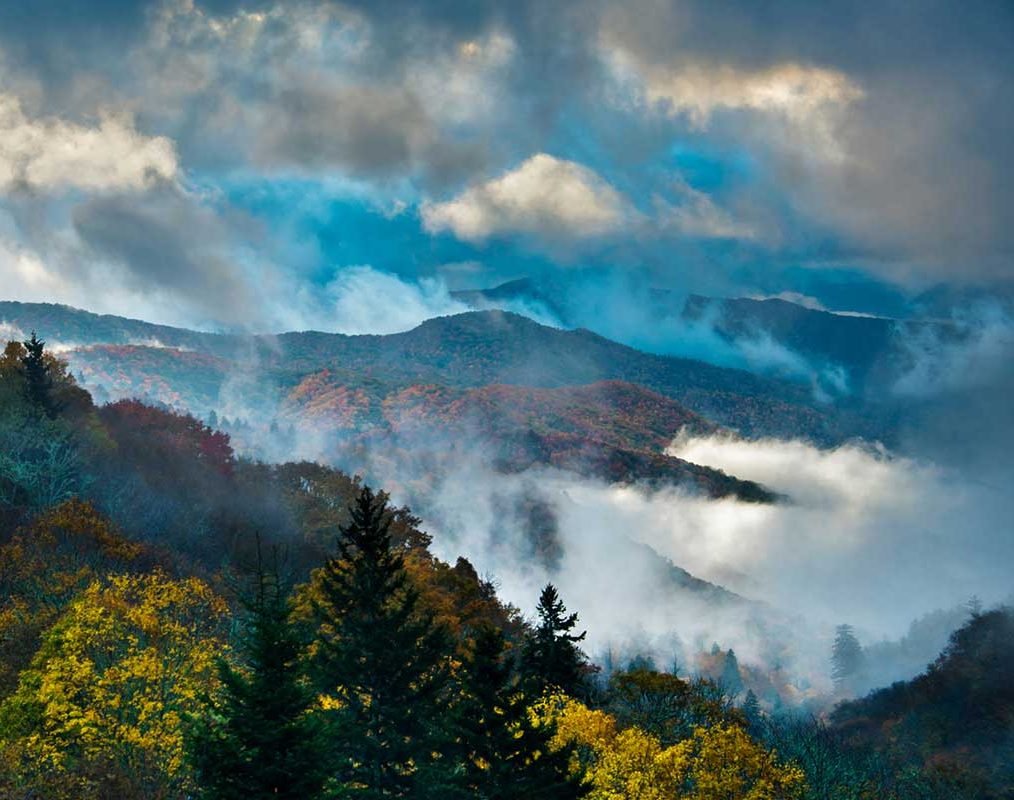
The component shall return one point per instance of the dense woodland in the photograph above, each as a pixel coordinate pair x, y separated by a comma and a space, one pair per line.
179, 622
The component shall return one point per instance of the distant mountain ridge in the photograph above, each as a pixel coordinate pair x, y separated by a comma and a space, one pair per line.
870, 351
463, 351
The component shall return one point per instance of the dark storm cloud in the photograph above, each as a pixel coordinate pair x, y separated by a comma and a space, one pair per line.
928, 170
169, 244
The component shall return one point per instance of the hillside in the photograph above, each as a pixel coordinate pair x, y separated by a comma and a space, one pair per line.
610, 431
956, 720
464, 351
513, 382
136, 551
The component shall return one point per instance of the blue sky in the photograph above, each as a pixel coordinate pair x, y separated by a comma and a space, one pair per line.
226, 163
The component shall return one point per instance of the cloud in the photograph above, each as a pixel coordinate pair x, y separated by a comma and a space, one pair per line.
972, 354
869, 134
309, 87
798, 92
363, 300
696, 215
866, 537
171, 245
544, 197
24, 275
51, 154
878, 129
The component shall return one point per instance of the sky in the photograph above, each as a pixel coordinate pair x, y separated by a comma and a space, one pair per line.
273, 165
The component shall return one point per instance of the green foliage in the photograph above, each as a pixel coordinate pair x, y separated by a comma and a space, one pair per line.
720, 762
731, 681
506, 754
551, 659
953, 723
41, 462
101, 706
381, 658
38, 381
667, 706
115, 524
260, 737
751, 711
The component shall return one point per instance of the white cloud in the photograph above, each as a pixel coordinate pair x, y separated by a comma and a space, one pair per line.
698, 216
973, 353
53, 154
463, 87
796, 298
363, 300
867, 536
799, 92
24, 276
544, 196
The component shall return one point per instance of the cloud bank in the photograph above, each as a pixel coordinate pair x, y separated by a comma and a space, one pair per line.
51, 154
544, 196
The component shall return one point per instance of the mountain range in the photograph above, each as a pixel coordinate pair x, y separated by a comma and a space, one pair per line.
859, 354
481, 393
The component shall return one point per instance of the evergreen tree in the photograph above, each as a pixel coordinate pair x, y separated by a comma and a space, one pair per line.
751, 711
384, 658
505, 755
847, 658
38, 380
731, 681
551, 658
260, 739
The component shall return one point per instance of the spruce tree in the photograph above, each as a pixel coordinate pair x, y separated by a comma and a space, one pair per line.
38, 381
847, 658
383, 657
731, 681
505, 756
752, 712
261, 739
551, 658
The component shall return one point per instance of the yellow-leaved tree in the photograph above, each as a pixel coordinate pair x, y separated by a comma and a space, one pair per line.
100, 710
719, 762
43, 567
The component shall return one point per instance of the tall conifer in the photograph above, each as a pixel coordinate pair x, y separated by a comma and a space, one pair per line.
551, 658
261, 739
38, 380
383, 658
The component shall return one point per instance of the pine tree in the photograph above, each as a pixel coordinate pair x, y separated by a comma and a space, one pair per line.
384, 658
847, 659
505, 755
261, 739
752, 711
38, 380
731, 681
551, 658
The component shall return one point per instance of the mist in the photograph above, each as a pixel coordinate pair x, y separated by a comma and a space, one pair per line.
863, 536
